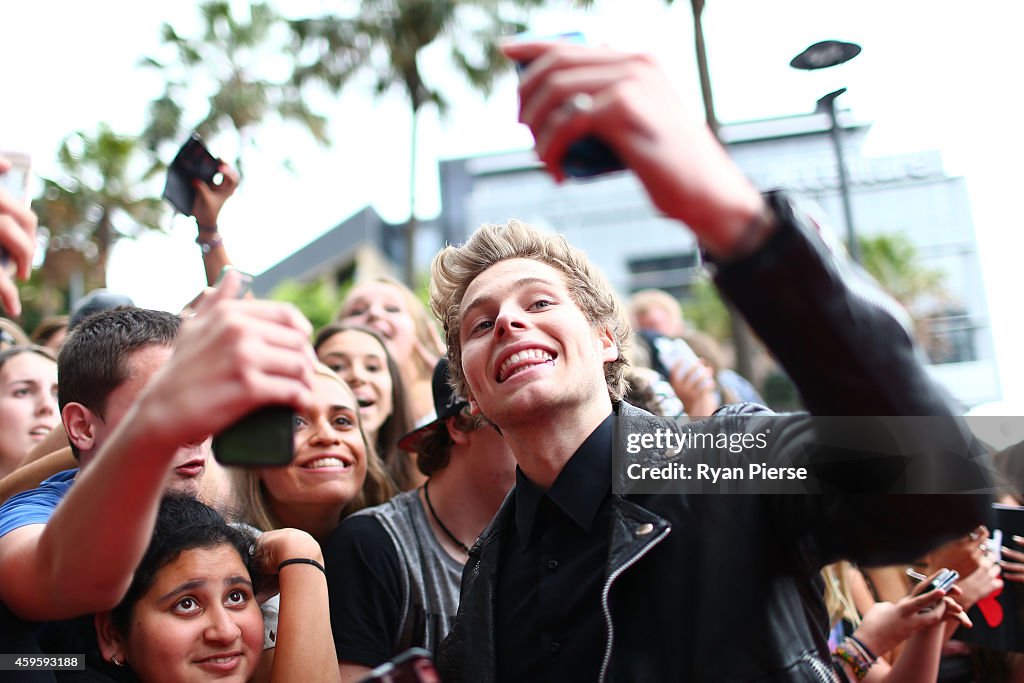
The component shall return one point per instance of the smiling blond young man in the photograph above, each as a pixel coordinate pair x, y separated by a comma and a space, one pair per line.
574, 582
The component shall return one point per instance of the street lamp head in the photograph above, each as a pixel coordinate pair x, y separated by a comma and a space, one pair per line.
827, 102
825, 54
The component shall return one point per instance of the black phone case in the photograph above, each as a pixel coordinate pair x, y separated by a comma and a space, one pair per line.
263, 438
193, 161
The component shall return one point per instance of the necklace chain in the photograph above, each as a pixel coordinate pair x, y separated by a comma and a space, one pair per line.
433, 513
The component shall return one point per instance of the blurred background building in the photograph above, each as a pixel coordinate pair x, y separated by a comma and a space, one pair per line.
913, 221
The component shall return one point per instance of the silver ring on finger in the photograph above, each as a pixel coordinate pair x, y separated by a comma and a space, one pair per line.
580, 103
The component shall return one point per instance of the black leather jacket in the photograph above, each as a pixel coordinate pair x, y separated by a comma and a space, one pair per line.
726, 587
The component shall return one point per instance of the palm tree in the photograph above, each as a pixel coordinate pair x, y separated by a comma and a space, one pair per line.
387, 38
893, 261
741, 336
98, 201
227, 56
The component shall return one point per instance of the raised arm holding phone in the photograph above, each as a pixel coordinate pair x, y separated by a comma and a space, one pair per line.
17, 236
210, 198
197, 185
230, 358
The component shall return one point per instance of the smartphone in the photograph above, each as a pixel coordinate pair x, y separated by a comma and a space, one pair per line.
412, 666
264, 437
15, 182
192, 162
673, 352
995, 545
944, 581
589, 156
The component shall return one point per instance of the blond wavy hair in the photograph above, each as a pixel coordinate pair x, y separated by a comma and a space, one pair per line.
838, 598
454, 268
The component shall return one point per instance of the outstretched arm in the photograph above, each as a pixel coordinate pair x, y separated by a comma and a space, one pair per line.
232, 358
839, 338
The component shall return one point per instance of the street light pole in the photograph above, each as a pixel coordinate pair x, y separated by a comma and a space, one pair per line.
828, 104
823, 55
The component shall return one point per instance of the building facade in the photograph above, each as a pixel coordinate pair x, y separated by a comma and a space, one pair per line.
910, 196
612, 219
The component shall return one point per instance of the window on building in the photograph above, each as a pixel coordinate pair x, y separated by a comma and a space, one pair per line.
674, 273
949, 337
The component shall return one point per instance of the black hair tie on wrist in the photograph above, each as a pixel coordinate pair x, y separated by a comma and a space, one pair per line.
301, 560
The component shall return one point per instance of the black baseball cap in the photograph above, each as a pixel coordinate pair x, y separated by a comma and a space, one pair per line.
446, 404
96, 301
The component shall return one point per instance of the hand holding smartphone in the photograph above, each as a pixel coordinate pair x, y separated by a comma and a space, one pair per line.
943, 581
15, 182
264, 437
589, 156
193, 162
675, 354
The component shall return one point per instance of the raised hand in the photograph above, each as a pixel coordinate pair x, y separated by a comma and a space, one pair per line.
631, 105
18, 241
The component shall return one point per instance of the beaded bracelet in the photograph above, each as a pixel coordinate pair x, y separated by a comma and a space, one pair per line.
209, 241
851, 654
301, 560
863, 648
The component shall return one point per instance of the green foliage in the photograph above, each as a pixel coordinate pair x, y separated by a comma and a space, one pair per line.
387, 38
780, 393
38, 300
318, 300
893, 261
99, 199
705, 311
226, 57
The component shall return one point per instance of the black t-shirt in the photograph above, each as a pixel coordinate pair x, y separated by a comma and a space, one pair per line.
365, 584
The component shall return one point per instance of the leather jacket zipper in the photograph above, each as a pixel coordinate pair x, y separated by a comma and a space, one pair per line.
606, 610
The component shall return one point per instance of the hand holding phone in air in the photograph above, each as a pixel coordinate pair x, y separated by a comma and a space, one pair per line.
17, 227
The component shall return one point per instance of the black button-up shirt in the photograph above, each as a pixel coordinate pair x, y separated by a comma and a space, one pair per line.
549, 621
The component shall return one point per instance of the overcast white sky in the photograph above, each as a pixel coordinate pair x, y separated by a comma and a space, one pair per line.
934, 74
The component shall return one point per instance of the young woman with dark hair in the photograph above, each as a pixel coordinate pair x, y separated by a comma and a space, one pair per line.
191, 611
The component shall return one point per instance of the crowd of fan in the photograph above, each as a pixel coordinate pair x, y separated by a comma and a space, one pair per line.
122, 537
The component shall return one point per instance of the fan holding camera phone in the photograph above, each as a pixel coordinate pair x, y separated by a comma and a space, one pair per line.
197, 185
17, 228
